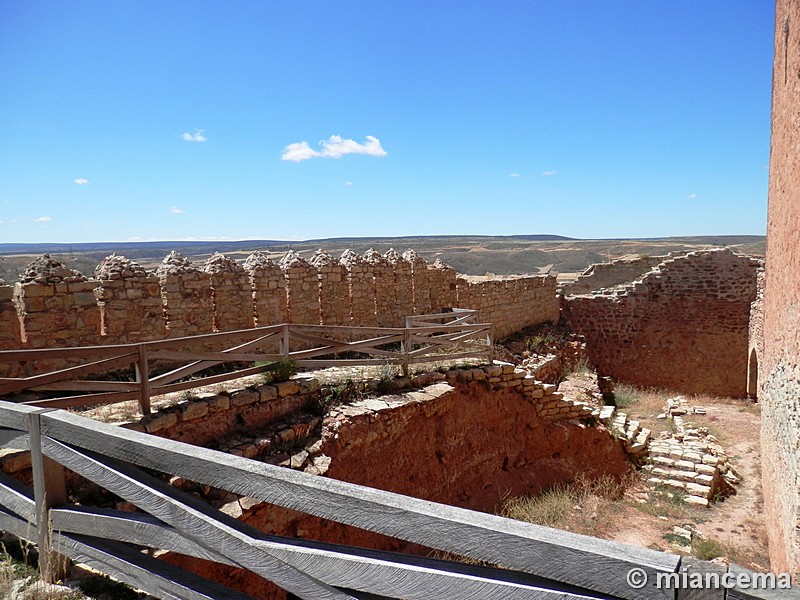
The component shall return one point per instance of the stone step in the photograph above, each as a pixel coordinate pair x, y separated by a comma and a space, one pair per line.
642, 439
607, 412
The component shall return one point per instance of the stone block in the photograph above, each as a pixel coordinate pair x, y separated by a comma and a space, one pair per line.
160, 421
267, 392
242, 397
287, 388
192, 410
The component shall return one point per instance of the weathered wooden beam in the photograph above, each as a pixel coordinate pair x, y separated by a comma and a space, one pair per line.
142, 572
10, 385
11, 438
193, 368
522, 546
82, 385
157, 498
410, 577
84, 400
18, 498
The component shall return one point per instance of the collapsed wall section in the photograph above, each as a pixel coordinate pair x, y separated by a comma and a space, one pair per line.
780, 366
611, 274
683, 326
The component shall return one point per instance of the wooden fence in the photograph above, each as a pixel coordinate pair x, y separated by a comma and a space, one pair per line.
538, 562
321, 346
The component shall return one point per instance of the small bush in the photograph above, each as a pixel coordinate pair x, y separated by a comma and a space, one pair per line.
706, 549
283, 370
625, 395
386, 377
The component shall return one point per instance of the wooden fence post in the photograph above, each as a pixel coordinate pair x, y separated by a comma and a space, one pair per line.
405, 349
143, 378
49, 489
285, 342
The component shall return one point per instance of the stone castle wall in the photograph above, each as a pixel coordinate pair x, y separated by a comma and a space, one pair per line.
779, 369
53, 306
684, 325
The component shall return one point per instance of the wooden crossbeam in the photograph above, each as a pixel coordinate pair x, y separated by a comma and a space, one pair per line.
9, 385
158, 499
521, 546
373, 571
193, 368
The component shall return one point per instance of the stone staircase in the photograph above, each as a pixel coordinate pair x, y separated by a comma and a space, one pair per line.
635, 437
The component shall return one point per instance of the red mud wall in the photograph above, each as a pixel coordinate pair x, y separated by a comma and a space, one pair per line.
780, 368
682, 326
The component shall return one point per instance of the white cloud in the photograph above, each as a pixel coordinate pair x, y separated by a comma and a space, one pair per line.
549, 173
176, 211
334, 147
80, 181
43, 220
196, 137
692, 196
515, 175
348, 183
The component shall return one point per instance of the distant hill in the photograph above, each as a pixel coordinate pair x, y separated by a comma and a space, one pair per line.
468, 254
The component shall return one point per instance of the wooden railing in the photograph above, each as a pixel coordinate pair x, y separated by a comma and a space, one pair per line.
321, 346
537, 562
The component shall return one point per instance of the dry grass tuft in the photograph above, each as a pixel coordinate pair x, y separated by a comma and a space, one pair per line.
585, 506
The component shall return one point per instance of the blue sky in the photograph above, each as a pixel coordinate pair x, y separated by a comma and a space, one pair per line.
308, 119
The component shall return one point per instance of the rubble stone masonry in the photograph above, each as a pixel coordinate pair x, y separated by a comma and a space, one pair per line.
683, 326
268, 288
124, 303
779, 369
130, 303
186, 294
231, 293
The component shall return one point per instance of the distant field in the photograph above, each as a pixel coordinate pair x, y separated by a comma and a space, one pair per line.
471, 255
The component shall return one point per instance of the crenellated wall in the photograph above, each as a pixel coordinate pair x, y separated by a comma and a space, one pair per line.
131, 309
124, 303
186, 294
362, 292
57, 305
333, 289
421, 284
231, 294
383, 289
684, 325
268, 289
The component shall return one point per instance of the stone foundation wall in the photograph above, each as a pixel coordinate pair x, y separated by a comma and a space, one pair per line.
684, 325
779, 369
